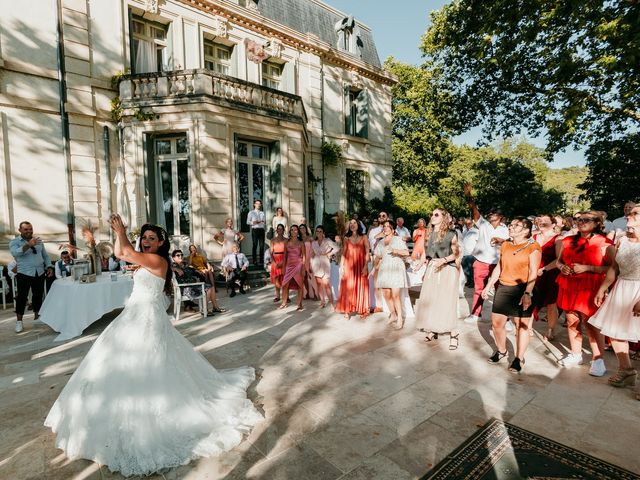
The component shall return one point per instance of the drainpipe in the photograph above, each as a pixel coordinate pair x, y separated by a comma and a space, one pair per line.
64, 122
107, 163
324, 189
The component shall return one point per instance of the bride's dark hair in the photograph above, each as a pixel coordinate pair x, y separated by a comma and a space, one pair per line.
163, 251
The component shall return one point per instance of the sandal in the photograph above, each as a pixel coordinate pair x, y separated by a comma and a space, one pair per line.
550, 336
399, 324
497, 356
276, 300
516, 365
431, 336
322, 305
299, 309
283, 305
454, 341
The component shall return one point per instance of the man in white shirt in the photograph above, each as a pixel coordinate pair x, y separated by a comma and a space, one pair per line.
402, 231
619, 225
491, 233
256, 221
63, 266
236, 265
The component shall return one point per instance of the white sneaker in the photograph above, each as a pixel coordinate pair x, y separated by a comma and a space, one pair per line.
598, 368
572, 360
472, 319
19, 326
509, 327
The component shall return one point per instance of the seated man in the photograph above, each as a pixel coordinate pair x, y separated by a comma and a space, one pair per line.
63, 266
236, 264
187, 274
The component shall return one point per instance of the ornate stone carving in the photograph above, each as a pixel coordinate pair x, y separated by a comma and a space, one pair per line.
252, 5
255, 52
345, 145
222, 27
275, 48
151, 6
356, 80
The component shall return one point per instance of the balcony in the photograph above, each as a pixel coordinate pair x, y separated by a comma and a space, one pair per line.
189, 86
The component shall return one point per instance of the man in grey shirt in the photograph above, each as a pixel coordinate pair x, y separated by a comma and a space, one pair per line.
32, 262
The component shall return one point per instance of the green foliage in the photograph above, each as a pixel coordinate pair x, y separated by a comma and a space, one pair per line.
415, 201
331, 154
568, 181
566, 68
614, 173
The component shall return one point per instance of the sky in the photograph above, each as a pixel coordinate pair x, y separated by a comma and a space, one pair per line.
397, 27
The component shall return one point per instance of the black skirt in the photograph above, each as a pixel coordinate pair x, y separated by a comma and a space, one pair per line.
507, 301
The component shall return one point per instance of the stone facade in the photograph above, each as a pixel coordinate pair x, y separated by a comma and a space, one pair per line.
218, 102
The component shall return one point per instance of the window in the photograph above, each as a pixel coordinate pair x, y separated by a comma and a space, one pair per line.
271, 75
356, 112
172, 193
217, 57
355, 191
253, 179
148, 46
346, 39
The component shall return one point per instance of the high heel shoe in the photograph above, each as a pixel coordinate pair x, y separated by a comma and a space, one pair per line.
516, 365
431, 336
454, 341
623, 378
497, 356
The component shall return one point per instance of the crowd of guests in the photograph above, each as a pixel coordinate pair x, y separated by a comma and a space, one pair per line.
581, 266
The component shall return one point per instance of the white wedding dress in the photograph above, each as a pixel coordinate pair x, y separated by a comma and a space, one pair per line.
143, 399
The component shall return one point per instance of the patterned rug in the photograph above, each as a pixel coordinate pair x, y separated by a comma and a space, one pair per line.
500, 451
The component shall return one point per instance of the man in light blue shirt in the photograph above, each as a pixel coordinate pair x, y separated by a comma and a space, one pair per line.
32, 262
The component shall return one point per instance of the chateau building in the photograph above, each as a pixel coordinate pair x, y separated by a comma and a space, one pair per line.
182, 112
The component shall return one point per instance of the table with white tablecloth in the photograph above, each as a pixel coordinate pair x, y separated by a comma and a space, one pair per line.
71, 306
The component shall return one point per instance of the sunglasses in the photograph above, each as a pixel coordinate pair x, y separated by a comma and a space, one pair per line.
585, 220
435, 214
178, 255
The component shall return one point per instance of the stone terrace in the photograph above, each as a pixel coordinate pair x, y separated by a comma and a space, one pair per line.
342, 400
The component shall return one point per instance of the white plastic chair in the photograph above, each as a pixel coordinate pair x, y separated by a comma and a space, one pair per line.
4, 286
178, 298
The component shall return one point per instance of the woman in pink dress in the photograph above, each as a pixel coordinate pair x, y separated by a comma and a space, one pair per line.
419, 236
294, 261
310, 291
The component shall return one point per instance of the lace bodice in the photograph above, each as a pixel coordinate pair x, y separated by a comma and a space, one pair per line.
628, 259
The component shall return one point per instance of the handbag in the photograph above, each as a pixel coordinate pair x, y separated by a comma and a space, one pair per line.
270, 234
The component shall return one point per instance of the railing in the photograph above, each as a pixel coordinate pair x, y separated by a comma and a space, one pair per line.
149, 87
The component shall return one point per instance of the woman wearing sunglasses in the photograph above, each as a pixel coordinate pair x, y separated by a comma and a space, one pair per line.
583, 260
516, 275
437, 307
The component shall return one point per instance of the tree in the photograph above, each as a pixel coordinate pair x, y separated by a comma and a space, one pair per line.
420, 142
614, 174
567, 68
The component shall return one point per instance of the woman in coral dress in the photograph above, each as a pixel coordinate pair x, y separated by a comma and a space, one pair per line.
354, 273
278, 245
583, 260
293, 267
619, 314
309, 280
546, 284
419, 236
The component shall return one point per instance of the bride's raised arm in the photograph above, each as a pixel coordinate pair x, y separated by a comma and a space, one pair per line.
125, 251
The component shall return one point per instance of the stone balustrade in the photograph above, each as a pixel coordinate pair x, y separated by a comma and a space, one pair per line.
148, 88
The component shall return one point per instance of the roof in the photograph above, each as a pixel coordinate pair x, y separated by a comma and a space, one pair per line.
311, 16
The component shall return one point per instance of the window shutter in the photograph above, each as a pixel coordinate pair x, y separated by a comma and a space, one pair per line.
357, 40
289, 77
132, 55
275, 177
362, 125
347, 110
169, 60
234, 61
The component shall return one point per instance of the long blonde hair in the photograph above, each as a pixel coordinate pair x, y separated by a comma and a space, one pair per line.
444, 226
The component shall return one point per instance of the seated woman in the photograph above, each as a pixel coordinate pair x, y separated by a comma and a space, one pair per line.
186, 274
200, 264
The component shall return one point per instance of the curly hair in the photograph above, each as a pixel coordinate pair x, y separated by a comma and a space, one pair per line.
444, 226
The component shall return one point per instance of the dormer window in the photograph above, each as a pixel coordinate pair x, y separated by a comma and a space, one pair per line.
349, 36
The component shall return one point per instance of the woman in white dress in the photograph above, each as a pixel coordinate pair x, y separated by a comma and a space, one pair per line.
322, 249
143, 399
227, 237
392, 274
619, 314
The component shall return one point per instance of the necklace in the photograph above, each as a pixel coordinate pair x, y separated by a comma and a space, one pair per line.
526, 244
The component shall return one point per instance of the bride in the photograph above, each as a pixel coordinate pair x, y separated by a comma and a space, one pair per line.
143, 399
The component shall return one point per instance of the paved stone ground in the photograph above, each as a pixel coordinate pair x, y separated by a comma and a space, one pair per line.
342, 400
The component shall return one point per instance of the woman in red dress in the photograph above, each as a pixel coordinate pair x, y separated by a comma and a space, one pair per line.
277, 248
547, 285
583, 261
419, 236
353, 296
294, 260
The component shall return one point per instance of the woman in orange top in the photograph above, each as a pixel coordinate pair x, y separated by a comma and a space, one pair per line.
277, 247
516, 274
353, 296
583, 261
